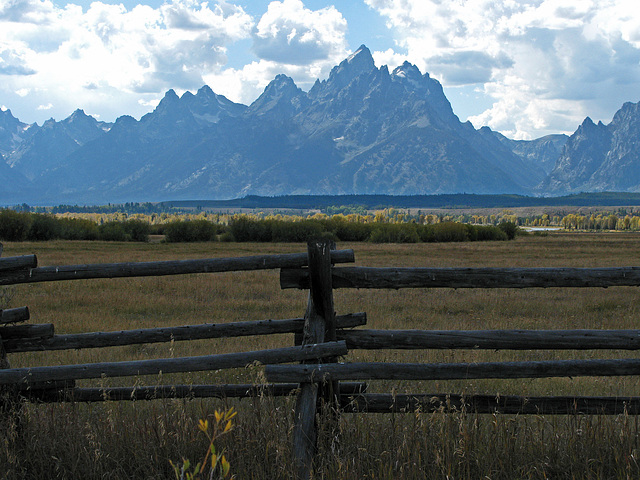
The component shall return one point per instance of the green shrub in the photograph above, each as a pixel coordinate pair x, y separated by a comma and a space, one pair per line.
245, 229
137, 230
112, 232
14, 226
157, 229
77, 229
283, 231
487, 232
177, 231
509, 228
444, 232
227, 237
190, 231
348, 231
202, 230
44, 227
394, 233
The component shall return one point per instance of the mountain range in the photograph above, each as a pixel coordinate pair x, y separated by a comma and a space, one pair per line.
363, 130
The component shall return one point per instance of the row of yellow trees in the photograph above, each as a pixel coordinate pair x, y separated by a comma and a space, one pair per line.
571, 221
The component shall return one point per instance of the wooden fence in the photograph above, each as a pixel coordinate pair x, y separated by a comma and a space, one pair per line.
57, 383
310, 368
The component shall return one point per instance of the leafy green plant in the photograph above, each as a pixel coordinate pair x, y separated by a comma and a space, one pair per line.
509, 228
190, 231
214, 464
14, 226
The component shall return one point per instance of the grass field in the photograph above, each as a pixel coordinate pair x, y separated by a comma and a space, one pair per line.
138, 439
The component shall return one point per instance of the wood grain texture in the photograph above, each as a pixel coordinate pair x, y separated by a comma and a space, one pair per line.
169, 365
168, 334
176, 267
492, 339
396, 278
451, 371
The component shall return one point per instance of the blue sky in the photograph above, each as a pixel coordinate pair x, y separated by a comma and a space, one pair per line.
525, 68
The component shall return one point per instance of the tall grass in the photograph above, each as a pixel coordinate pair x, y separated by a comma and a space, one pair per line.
139, 439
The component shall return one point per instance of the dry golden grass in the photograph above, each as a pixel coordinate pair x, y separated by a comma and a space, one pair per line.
137, 439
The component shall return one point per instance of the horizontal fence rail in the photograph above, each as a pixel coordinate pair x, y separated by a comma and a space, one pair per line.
170, 365
451, 371
505, 404
175, 391
13, 263
31, 331
13, 344
14, 315
176, 267
396, 278
492, 339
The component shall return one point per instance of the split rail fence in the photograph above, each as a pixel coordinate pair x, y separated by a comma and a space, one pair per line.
310, 369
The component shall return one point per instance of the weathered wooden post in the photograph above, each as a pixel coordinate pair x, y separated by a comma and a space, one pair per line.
4, 363
6, 397
319, 327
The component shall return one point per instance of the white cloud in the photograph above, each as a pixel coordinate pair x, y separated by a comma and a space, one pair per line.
288, 33
546, 63
107, 57
28, 11
13, 62
289, 39
389, 58
116, 61
149, 103
246, 84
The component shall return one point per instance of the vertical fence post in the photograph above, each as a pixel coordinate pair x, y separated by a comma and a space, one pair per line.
319, 327
4, 363
7, 403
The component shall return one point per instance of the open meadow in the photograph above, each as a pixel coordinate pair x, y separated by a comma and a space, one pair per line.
110, 440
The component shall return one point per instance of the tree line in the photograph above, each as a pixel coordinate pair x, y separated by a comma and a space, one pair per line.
19, 226
343, 223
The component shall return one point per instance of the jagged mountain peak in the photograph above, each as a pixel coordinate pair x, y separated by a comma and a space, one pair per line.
282, 94
358, 63
193, 111
205, 94
587, 122
407, 70
362, 130
49, 146
170, 100
629, 107
208, 108
79, 116
12, 131
281, 83
410, 76
125, 121
6, 113
82, 127
361, 58
78, 113
628, 112
8, 122
582, 156
170, 95
586, 128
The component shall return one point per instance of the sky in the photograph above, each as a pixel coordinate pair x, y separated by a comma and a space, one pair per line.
526, 68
